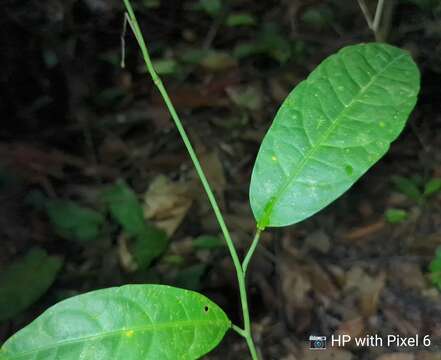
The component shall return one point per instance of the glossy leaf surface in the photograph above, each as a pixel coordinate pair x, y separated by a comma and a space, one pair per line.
129, 322
330, 130
25, 280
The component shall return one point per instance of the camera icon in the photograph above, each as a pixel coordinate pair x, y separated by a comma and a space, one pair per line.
317, 342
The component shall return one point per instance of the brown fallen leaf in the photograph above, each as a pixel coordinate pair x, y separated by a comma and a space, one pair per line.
218, 61
214, 171
425, 245
112, 149
408, 275
210, 93
368, 288
166, 203
365, 231
365, 209
328, 354
249, 97
404, 326
296, 289
396, 356
323, 285
317, 240
428, 355
278, 89
126, 259
36, 164
354, 327
289, 357
303, 280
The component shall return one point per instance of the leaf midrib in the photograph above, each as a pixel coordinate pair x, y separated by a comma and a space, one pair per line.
147, 327
268, 209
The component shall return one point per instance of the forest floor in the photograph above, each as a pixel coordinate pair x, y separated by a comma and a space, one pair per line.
75, 122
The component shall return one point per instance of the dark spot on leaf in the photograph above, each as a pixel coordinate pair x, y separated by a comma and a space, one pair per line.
349, 170
206, 308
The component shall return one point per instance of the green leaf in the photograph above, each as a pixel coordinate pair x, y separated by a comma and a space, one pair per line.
318, 17
190, 277
217, 60
208, 58
240, 19
407, 187
125, 208
109, 96
211, 7
247, 97
330, 130
25, 281
435, 269
74, 222
274, 41
151, 4
166, 66
193, 56
432, 187
175, 260
246, 49
271, 41
395, 216
131, 322
150, 242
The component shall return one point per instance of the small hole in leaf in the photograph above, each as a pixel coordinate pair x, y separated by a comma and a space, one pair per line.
206, 308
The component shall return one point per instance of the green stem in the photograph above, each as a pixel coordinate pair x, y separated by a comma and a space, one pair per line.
239, 330
239, 272
245, 312
247, 321
251, 250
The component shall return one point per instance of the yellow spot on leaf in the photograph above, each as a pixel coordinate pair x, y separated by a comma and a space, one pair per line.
273, 158
382, 124
129, 333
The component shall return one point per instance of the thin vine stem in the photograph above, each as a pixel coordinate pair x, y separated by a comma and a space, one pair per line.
378, 14
251, 251
239, 330
373, 24
366, 13
246, 331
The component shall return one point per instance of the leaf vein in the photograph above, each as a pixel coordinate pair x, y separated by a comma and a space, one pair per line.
310, 153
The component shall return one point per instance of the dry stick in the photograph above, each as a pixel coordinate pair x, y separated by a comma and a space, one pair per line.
246, 331
366, 13
386, 19
123, 41
378, 14
374, 24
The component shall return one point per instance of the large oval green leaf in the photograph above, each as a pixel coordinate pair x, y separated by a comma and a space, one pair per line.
330, 130
129, 322
26, 280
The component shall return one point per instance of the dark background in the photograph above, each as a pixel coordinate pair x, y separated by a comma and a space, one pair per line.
73, 122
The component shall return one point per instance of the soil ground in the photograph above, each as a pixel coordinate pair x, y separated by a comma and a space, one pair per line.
74, 122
